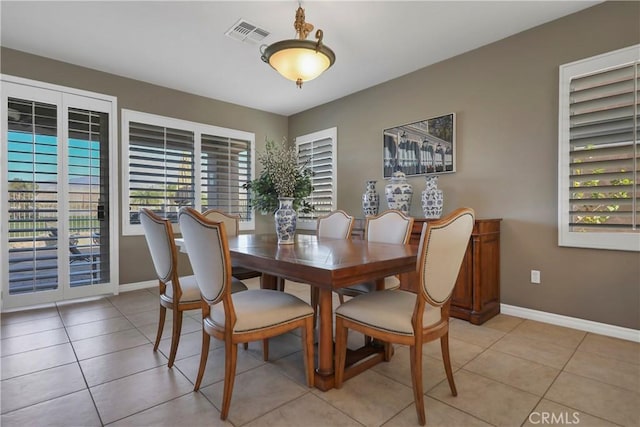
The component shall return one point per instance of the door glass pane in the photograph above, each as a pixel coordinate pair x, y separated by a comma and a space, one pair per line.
88, 180
32, 158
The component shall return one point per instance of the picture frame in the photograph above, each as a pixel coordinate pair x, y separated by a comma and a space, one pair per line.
426, 147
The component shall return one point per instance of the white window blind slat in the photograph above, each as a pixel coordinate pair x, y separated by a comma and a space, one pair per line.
600, 159
318, 153
175, 163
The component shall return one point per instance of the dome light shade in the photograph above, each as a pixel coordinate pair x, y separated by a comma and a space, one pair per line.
299, 60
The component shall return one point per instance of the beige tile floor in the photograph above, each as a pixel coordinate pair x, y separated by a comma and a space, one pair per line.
91, 364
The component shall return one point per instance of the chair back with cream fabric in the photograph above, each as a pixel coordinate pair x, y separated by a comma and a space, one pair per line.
209, 256
256, 314
159, 236
176, 293
442, 248
391, 226
336, 225
401, 317
232, 227
231, 222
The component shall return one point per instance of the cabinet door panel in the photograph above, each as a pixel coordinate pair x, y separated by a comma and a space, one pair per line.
463, 290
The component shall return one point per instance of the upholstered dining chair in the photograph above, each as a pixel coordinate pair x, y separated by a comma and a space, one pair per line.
401, 317
391, 226
241, 317
176, 293
335, 225
232, 225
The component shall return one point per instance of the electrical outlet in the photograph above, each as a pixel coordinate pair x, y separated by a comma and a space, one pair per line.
535, 276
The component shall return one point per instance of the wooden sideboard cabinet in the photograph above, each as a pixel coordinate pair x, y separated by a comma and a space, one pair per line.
476, 296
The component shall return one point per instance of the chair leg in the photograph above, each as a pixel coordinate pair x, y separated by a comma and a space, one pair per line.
341, 298
204, 354
265, 349
415, 352
315, 296
444, 345
230, 359
388, 351
245, 345
175, 336
280, 284
340, 352
307, 342
163, 315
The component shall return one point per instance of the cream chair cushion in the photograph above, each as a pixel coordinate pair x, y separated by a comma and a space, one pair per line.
261, 308
190, 289
387, 311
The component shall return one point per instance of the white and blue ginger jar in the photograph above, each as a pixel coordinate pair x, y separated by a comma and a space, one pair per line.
398, 193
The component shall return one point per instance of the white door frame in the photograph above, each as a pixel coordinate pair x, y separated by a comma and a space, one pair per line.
64, 98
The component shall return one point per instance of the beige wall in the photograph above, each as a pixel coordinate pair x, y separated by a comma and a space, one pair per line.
135, 262
505, 96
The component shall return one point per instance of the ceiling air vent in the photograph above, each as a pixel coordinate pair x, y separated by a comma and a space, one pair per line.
246, 32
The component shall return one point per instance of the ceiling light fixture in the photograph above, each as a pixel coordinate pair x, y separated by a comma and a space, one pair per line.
299, 59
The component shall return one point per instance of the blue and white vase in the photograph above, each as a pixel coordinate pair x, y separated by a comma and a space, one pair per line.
370, 200
286, 219
398, 193
432, 198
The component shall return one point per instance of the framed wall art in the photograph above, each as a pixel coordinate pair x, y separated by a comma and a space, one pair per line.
421, 148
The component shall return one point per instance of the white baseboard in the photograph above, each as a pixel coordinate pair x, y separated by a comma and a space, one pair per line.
138, 285
572, 322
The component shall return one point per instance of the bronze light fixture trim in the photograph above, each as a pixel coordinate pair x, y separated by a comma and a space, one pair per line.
299, 59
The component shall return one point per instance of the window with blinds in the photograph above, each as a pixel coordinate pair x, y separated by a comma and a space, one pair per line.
226, 166
174, 163
600, 152
318, 152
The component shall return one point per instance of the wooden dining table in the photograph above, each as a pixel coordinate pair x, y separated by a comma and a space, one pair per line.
328, 264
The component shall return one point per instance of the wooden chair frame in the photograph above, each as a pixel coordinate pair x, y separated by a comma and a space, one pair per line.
225, 332
167, 302
421, 334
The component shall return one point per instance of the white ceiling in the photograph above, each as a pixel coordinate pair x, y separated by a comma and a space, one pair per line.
182, 45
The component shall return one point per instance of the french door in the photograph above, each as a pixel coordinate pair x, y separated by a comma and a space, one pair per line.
59, 232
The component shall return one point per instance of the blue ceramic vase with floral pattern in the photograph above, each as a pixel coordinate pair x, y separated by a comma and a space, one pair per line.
286, 219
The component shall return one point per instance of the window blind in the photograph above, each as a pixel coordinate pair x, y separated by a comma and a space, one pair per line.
161, 169
604, 154
599, 151
318, 153
174, 163
32, 167
226, 167
88, 155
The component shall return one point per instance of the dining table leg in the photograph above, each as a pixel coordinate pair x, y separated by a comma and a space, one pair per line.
324, 373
